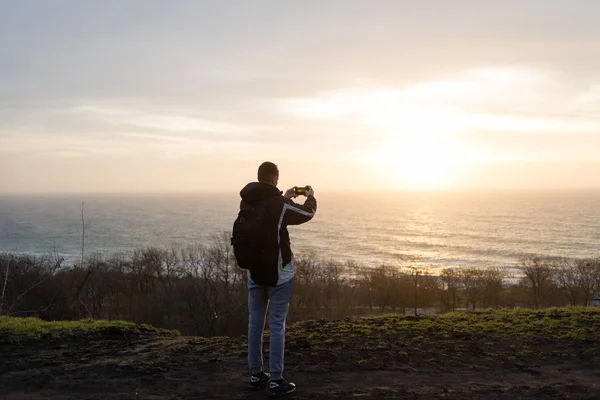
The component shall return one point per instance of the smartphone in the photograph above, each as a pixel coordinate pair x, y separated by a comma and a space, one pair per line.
301, 190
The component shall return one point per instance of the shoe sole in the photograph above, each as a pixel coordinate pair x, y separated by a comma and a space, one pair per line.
281, 394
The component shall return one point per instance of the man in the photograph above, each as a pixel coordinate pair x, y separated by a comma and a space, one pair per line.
270, 283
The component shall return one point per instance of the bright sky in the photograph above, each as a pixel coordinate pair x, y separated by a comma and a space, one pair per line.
144, 95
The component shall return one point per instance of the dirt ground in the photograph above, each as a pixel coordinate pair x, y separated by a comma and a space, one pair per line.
117, 366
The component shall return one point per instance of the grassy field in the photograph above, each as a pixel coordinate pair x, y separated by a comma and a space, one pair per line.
553, 353
21, 329
505, 336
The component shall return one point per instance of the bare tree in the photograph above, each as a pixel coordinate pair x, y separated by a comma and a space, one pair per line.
308, 279
26, 270
568, 279
82, 234
538, 275
8, 259
588, 272
472, 283
416, 276
449, 288
493, 285
200, 289
382, 280
367, 290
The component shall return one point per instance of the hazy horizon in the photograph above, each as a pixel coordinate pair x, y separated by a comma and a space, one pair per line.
191, 96
327, 192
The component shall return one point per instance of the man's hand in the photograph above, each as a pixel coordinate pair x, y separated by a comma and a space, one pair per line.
310, 191
290, 194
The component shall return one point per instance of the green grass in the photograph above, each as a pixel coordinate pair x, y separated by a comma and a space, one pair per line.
498, 337
572, 323
36, 328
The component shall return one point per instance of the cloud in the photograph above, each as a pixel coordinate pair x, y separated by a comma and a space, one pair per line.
511, 100
155, 119
492, 87
589, 101
103, 130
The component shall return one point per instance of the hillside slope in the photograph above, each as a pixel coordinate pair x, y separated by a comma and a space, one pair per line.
492, 354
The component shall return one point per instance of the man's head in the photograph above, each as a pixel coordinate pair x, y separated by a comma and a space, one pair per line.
268, 173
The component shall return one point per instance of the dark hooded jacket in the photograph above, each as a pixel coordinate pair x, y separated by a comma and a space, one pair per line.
280, 213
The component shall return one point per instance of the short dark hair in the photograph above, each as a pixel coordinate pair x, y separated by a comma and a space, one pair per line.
267, 172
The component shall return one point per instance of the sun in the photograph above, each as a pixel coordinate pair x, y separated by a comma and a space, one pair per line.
421, 128
420, 162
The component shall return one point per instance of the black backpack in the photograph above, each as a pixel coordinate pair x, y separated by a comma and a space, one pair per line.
254, 246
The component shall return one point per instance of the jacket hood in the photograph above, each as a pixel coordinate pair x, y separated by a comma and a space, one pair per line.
255, 192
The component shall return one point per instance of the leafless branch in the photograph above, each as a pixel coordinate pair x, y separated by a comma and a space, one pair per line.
25, 292
32, 311
77, 294
85, 307
83, 283
5, 282
82, 234
57, 259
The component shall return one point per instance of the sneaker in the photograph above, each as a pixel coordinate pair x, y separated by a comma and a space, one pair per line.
256, 381
281, 387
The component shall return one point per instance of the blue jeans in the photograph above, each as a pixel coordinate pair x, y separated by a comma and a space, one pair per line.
277, 299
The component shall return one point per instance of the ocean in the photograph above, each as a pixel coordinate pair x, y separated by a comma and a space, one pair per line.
431, 229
